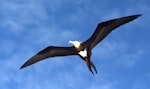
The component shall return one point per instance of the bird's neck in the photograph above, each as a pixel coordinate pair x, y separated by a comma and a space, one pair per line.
77, 44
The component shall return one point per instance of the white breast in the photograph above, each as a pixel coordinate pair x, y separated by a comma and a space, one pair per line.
83, 53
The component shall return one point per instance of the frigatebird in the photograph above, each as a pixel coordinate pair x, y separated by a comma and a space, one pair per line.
82, 49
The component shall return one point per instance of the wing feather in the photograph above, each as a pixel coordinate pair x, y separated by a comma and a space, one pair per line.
104, 28
50, 51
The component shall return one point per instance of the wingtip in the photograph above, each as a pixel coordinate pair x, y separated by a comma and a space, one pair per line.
134, 16
138, 15
21, 67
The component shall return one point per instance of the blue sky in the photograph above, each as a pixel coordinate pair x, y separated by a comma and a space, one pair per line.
28, 26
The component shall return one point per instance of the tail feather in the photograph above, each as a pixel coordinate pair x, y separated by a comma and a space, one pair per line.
90, 64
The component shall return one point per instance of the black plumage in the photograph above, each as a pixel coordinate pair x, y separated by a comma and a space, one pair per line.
102, 30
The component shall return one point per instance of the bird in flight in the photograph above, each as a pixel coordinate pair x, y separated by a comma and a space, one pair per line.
82, 49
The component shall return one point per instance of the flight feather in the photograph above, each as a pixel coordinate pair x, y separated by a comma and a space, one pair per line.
50, 51
104, 28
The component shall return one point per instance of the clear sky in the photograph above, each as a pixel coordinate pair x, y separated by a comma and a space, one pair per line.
28, 26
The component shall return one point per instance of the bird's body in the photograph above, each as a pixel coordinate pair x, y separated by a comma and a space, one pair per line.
83, 53
82, 49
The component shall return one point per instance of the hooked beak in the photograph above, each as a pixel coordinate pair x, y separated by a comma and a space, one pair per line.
70, 42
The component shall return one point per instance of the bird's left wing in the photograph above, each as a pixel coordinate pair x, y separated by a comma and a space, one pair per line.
104, 28
50, 51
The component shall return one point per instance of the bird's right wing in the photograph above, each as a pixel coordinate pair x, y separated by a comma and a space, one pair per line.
50, 51
104, 28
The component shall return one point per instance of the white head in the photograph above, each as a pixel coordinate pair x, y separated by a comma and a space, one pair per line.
75, 43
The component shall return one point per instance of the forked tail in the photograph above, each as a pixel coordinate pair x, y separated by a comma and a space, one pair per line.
90, 64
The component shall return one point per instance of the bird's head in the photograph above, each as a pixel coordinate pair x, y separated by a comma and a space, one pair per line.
75, 43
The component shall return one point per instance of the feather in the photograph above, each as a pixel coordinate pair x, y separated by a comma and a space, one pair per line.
50, 51
104, 28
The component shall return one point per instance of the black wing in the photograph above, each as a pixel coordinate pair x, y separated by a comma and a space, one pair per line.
50, 51
104, 28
